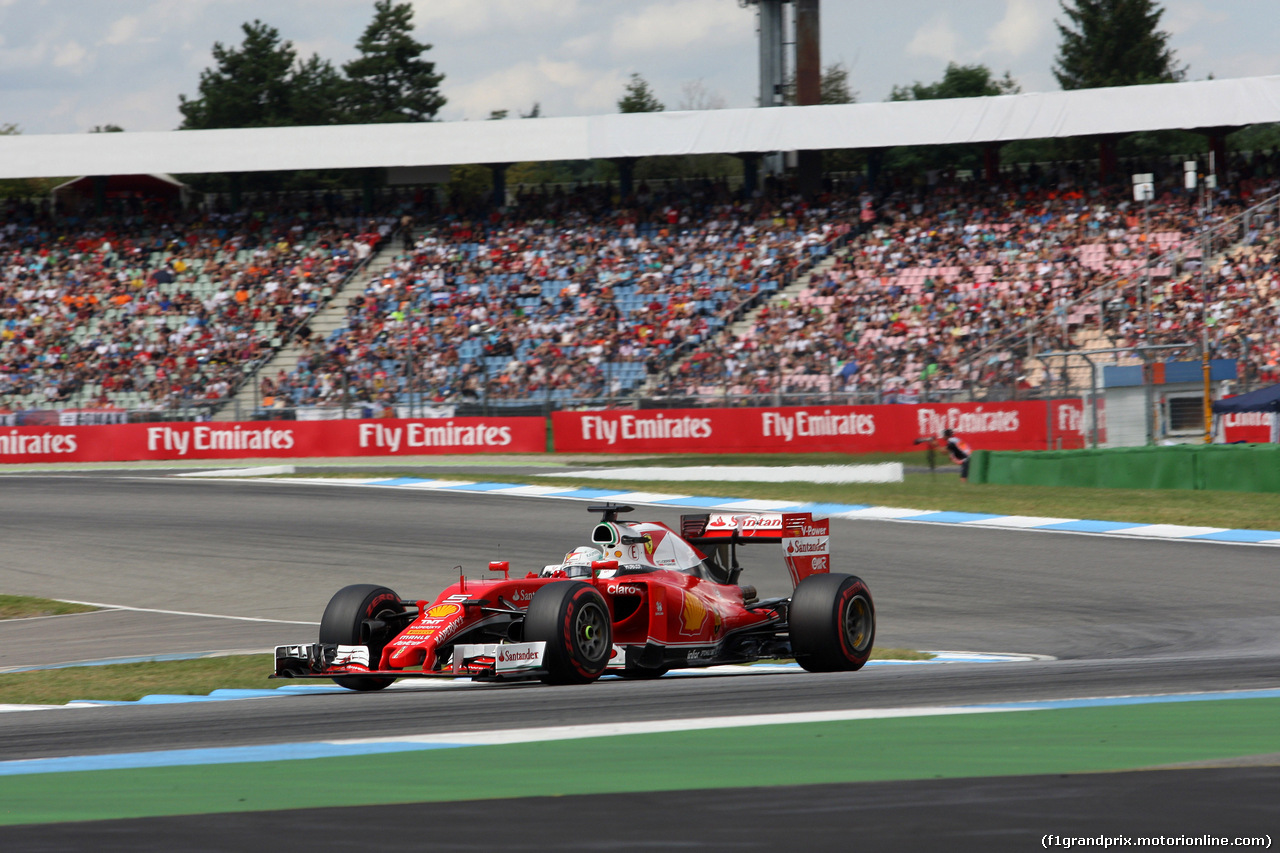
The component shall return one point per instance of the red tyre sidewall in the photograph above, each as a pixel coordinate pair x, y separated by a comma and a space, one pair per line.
852, 591
374, 604
580, 597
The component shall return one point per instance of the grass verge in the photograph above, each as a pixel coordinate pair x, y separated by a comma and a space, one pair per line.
900, 654
129, 682
26, 607
1060, 741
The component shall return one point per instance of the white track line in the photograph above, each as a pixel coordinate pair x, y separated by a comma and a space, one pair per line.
187, 613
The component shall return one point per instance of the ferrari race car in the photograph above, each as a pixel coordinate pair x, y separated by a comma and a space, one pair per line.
640, 600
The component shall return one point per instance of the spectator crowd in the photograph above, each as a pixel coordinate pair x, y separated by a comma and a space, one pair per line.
910, 289
153, 312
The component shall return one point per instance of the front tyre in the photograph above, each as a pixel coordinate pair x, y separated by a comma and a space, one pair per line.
832, 623
344, 623
572, 618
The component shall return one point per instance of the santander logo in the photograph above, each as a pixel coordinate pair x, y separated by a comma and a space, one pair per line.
513, 656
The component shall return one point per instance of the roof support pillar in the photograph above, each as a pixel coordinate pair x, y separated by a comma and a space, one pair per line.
750, 172
99, 195
1108, 162
991, 161
1218, 148
499, 172
369, 187
875, 165
626, 175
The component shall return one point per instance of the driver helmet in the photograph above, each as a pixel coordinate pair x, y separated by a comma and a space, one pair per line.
577, 563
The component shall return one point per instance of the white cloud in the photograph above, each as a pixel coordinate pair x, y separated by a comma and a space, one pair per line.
1188, 15
122, 30
24, 57
1237, 65
63, 106
472, 17
676, 26
935, 39
573, 88
1020, 30
154, 108
69, 55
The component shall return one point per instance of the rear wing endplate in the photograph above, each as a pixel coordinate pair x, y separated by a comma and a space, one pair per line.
806, 543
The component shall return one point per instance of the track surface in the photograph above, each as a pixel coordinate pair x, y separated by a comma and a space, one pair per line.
1122, 616
931, 815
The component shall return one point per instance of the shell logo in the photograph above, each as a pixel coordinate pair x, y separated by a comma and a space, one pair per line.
442, 610
692, 615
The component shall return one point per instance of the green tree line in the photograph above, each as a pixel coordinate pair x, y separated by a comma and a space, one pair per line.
263, 82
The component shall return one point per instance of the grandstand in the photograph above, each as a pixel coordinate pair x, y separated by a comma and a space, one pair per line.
155, 312
901, 313
522, 314
948, 291
882, 288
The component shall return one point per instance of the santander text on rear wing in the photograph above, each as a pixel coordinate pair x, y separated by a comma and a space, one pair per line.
806, 543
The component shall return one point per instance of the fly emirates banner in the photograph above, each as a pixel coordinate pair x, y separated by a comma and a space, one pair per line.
272, 439
849, 429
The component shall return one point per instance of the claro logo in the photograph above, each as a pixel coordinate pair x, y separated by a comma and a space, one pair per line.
15, 443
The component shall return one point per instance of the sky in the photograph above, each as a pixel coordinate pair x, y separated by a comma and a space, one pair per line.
69, 65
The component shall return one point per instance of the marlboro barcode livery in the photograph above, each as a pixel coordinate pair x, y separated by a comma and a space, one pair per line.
639, 600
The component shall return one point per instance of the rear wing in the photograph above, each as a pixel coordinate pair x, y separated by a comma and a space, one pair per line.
806, 543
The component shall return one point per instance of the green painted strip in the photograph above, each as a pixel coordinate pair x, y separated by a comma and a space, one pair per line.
1072, 740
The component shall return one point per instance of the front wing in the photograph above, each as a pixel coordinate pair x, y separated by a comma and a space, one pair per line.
481, 661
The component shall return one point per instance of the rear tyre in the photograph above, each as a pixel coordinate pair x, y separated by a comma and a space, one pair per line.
832, 623
344, 623
572, 618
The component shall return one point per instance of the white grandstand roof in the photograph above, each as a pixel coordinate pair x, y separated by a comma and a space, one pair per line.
1200, 105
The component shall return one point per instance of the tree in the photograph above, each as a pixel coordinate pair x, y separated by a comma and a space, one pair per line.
694, 95
316, 93
106, 128
248, 87
832, 89
958, 81
390, 81
639, 98
1113, 43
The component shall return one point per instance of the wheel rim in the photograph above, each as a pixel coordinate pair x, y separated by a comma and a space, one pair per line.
858, 623
590, 631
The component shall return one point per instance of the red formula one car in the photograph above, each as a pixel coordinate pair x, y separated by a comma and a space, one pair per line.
640, 600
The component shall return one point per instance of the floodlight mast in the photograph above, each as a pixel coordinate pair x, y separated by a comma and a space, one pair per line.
772, 35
